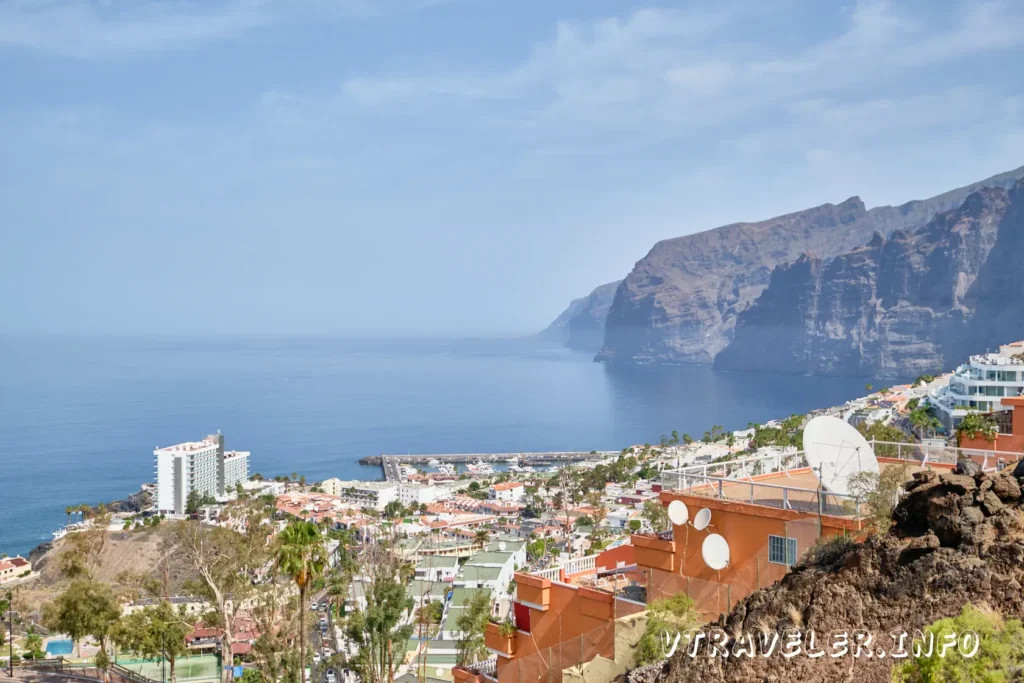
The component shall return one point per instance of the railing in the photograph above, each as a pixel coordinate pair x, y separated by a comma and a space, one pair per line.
580, 564
487, 667
554, 573
740, 468
771, 495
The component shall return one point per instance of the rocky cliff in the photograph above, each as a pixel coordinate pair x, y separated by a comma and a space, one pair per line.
958, 539
581, 325
681, 301
897, 307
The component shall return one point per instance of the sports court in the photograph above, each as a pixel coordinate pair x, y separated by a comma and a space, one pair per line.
199, 668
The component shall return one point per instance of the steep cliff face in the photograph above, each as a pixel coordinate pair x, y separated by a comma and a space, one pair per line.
897, 307
681, 301
581, 325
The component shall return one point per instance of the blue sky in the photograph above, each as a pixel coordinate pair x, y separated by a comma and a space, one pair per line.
459, 167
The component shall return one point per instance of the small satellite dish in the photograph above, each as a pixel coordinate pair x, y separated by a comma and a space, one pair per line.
715, 552
702, 519
836, 451
439, 671
502, 546
678, 513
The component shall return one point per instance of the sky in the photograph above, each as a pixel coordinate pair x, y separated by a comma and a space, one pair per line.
452, 167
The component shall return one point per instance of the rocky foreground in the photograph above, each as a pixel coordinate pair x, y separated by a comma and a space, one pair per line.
958, 539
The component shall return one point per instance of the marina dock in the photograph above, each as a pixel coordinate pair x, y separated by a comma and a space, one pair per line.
392, 463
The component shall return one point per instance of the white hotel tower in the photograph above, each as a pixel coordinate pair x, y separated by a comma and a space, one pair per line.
202, 466
978, 385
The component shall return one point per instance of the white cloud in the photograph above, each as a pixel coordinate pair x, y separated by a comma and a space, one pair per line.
94, 29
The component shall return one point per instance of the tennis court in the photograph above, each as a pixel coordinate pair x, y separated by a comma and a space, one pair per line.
199, 668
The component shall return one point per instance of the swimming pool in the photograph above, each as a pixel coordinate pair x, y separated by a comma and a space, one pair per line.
60, 647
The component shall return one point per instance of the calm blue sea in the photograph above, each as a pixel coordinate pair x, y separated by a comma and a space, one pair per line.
79, 419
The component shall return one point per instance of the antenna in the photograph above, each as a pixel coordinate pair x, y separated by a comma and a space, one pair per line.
715, 551
702, 519
678, 513
836, 451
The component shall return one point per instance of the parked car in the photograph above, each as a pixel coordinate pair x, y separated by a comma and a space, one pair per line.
316, 657
330, 676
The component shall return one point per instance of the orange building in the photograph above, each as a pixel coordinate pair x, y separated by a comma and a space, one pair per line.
564, 619
1010, 438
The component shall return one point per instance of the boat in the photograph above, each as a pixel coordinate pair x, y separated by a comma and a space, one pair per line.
446, 469
480, 467
434, 462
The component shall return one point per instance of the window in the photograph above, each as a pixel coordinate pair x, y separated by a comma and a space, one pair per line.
782, 550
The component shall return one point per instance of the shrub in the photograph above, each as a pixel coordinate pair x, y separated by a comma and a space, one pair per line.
826, 552
668, 616
1000, 655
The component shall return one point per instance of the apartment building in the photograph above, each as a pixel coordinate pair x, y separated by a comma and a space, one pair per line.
980, 385
202, 466
367, 494
411, 494
507, 492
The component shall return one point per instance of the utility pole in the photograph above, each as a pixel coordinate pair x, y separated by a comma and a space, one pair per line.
819, 502
10, 629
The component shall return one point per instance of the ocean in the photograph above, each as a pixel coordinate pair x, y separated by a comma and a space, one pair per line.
79, 419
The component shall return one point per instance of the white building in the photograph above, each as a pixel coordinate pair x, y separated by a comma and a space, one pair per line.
201, 466
410, 494
367, 494
979, 384
507, 492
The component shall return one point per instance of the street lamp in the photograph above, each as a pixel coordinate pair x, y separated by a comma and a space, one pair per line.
10, 629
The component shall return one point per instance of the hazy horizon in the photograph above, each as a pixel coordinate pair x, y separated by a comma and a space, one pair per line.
445, 169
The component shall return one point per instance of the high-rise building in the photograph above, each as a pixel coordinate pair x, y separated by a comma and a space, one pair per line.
201, 466
980, 385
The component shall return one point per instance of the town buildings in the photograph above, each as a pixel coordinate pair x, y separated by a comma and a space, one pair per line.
980, 385
202, 466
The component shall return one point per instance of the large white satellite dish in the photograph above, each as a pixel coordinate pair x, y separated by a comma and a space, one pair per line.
715, 552
702, 519
502, 546
678, 513
836, 451
439, 671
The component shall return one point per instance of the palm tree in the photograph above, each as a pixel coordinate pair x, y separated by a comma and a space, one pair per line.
481, 536
67, 511
301, 556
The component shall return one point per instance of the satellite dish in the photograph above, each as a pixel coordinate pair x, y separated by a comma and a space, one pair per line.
715, 552
502, 546
836, 451
678, 513
439, 671
702, 519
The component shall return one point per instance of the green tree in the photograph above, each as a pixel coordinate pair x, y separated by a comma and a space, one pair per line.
155, 632
1000, 654
880, 494
634, 525
481, 537
687, 439
302, 558
196, 499
671, 615
471, 623
393, 509
656, 515
378, 631
85, 608
33, 648
879, 431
